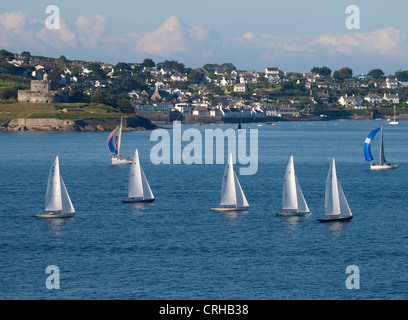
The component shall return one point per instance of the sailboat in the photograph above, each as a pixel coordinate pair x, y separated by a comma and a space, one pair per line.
293, 201
114, 144
232, 196
336, 207
383, 165
394, 121
57, 201
239, 126
139, 189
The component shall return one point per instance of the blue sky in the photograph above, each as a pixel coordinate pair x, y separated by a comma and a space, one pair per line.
292, 35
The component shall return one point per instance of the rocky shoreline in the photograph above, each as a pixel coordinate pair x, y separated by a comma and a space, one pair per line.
66, 125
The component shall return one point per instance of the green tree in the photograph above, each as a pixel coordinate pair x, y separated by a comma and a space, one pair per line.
124, 106
149, 63
195, 76
54, 76
376, 74
343, 73
96, 71
401, 75
323, 71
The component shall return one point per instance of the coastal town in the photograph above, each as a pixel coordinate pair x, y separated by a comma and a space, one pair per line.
168, 90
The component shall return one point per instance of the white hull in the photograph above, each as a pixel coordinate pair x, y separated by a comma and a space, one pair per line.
120, 161
393, 122
225, 209
55, 215
383, 166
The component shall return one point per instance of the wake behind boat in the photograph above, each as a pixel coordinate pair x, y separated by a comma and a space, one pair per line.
57, 201
139, 189
114, 145
293, 201
336, 208
232, 196
382, 165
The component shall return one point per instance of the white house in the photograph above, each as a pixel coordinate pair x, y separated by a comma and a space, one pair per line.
394, 98
392, 83
373, 98
227, 81
179, 77
184, 108
350, 100
271, 71
240, 87
200, 111
214, 112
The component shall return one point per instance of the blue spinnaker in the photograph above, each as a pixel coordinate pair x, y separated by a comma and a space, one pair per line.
113, 141
367, 144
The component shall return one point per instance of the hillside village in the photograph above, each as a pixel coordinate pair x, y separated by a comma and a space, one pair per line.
212, 90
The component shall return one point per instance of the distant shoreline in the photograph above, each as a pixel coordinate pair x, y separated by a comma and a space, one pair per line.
134, 123
146, 121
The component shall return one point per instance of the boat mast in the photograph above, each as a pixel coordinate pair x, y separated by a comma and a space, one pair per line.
382, 158
120, 137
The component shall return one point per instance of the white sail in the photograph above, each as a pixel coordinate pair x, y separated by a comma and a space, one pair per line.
231, 191
292, 196
147, 192
289, 197
138, 185
67, 206
335, 200
53, 195
57, 198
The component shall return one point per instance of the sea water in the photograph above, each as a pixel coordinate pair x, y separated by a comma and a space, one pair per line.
177, 248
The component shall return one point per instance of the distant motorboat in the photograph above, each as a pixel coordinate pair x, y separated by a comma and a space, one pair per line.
57, 201
382, 165
139, 189
232, 196
336, 208
293, 201
114, 145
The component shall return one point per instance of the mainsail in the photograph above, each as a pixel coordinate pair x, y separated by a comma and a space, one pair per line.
335, 200
292, 196
138, 185
231, 191
57, 198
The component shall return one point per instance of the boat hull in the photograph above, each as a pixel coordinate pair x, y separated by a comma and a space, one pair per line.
55, 215
226, 209
137, 200
335, 219
383, 166
121, 161
288, 214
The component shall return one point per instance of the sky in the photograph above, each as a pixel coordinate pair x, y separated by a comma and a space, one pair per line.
294, 36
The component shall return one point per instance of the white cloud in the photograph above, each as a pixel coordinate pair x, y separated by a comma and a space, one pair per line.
388, 42
61, 39
90, 29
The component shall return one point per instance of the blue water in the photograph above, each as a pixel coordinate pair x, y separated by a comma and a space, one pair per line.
177, 248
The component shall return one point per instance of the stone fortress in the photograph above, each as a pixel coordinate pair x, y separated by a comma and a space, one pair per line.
42, 91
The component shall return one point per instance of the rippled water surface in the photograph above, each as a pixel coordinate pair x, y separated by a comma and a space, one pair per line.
177, 248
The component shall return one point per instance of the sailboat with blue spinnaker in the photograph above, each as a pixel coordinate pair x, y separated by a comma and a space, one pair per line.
382, 165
